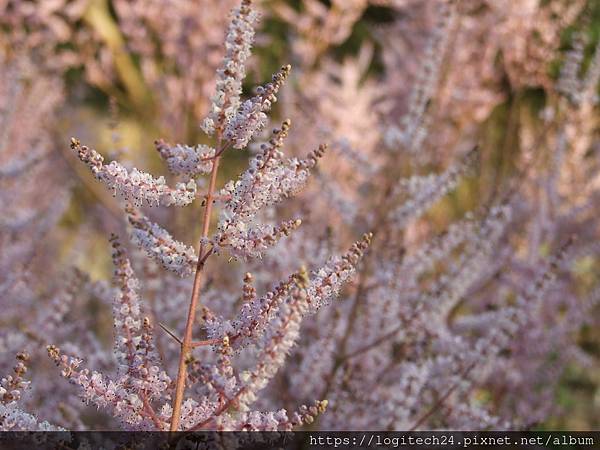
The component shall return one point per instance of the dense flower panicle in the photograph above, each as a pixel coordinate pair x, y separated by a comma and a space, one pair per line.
270, 322
468, 329
251, 118
267, 160
273, 421
134, 185
140, 379
252, 241
161, 246
12, 418
279, 321
226, 101
126, 309
306, 296
252, 318
275, 344
269, 179
326, 282
186, 160
139, 362
104, 393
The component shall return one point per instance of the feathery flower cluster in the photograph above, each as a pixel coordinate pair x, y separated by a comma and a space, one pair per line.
305, 297
142, 395
186, 160
268, 180
327, 281
134, 185
142, 383
12, 385
251, 118
160, 245
238, 43
140, 380
435, 332
134, 349
253, 317
305, 293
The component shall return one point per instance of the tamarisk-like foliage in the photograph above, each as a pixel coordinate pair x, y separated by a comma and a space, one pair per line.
458, 308
267, 181
432, 320
183, 159
142, 395
134, 185
160, 245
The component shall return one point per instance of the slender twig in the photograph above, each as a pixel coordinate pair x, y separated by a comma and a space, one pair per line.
442, 399
205, 342
224, 407
373, 344
170, 333
186, 345
216, 155
151, 413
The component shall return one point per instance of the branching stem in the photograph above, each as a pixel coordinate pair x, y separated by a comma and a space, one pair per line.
187, 344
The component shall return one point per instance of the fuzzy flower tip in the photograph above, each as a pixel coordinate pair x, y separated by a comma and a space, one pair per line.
251, 117
11, 387
238, 42
136, 186
327, 282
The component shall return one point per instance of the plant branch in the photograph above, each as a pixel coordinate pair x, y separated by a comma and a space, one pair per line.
170, 333
442, 399
187, 344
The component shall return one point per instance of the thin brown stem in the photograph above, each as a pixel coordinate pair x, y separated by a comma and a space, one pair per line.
373, 344
170, 333
186, 345
151, 413
442, 399
224, 407
205, 342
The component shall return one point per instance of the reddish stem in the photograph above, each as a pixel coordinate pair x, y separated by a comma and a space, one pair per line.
187, 344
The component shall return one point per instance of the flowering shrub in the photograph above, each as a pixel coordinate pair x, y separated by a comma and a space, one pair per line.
319, 292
